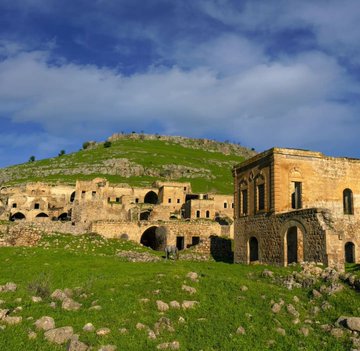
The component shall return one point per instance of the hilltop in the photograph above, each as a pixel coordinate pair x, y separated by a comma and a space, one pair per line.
138, 160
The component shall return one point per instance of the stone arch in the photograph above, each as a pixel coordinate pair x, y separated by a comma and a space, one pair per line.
293, 232
253, 244
151, 198
155, 238
17, 216
42, 215
64, 217
349, 252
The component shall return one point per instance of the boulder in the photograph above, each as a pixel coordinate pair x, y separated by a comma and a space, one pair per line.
59, 335
45, 323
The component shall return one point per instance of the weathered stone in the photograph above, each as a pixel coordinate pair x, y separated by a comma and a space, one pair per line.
174, 304
188, 289
244, 288
45, 323
337, 332
32, 335
69, 304
281, 331
95, 308
88, 327
103, 331
193, 276
3, 313
58, 294
151, 335
76, 345
140, 326
123, 331
12, 320
267, 273
291, 310
304, 331
108, 348
276, 308
240, 330
162, 306
36, 299
189, 304
59, 335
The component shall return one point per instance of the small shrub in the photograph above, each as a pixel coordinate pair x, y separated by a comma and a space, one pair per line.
40, 286
32, 159
85, 145
61, 153
107, 144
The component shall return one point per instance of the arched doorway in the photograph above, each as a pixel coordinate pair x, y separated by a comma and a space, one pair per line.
72, 197
294, 245
17, 216
41, 215
155, 238
349, 252
144, 216
151, 198
253, 249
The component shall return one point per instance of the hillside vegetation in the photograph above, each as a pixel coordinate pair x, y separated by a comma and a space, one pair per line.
139, 160
234, 310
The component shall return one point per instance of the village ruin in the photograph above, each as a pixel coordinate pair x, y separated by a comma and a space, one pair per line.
296, 205
167, 213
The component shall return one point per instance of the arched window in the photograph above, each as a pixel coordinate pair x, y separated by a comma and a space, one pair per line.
197, 214
348, 202
349, 252
207, 214
243, 198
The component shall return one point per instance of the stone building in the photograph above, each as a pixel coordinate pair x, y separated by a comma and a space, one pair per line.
296, 205
166, 212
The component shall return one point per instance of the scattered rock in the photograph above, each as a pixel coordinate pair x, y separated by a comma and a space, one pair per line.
188, 289
123, 331
268, 274
296, 299
88, 327
36, 299
69, 304
59, 335
174, 345
304, 331
189, 304
95, 308
103, 331
32, 335
276, 308
291, 310
181, 320
52, 304
3, 313
45, 323
108, 348
12, 320
337, 332
352, 323
162, 306
8, 287
76, 345
174, 304
244, 288
58, 295
240, 330
151, 335
140, 326
163, 324
192, 276
144, 300
281, 331
316, 294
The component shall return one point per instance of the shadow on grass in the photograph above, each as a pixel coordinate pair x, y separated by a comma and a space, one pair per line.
352, 267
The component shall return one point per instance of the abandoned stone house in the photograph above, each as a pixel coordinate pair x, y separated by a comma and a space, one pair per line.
296, 205
165, 213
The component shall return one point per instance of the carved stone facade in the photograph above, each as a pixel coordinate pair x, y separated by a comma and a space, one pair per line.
164, 210
294, 205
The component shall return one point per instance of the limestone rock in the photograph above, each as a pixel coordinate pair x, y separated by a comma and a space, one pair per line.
76, 345
95, 308
140, 326
304, 331
337, 332
267, 273
32, 335
3, 313
174, 345
352, 323
162, 306
189, 304
45, 323
188, 289
69, 304
108, 348
291, 310
58, 295
276, 308
59, 335
12, 320
103, 331
36, 299
151, 335
123, 331
174, 304
88, 327
240, 330
281, 331
193, 276
244, 288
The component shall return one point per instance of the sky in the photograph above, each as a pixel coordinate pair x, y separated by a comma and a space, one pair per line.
264, 73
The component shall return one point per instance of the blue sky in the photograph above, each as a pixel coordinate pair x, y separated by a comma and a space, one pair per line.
263, 73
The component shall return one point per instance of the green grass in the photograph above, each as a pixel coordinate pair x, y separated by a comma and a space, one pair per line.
89, 262
213, 169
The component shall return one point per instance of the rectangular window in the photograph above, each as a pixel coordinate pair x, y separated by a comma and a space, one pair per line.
37, 206
14, 205
178, 201
197, 214
296, 196
195, 240
244, 202
225, 204
136, 200
261, 197
169, 201
117, 199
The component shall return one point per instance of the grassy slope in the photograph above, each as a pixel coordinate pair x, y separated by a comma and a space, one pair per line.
149, 153
89, 263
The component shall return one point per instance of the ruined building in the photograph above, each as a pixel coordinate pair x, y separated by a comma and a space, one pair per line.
166, 213
296, 205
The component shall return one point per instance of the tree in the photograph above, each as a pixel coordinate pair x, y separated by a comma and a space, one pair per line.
61, 153
107, 144
32, 159
85, 145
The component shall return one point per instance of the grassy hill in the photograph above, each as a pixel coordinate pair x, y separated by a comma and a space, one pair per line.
229, 296
138, 160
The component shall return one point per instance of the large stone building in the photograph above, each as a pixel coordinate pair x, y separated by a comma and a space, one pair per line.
296, 205
166, 212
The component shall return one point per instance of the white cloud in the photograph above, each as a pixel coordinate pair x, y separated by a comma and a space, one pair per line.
284, 103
